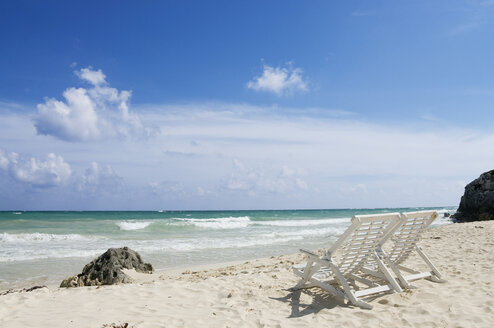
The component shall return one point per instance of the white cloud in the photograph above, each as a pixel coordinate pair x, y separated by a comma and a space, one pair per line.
263, 179
4, 161
12, 106
92, 76
359, 187
89, 114
53, 171
261, 141
167, 188
279, 80
429, 117
99, 179
301, 184
203, 192
277, 160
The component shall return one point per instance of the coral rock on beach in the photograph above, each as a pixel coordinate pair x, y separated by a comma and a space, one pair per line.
107, 269
477, 203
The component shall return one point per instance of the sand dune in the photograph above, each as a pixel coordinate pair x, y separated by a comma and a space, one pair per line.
255, 294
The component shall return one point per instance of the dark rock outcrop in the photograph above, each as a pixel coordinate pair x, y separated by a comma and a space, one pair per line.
477, 203
107, 269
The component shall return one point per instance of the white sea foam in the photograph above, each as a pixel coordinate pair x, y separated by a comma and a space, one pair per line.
331, 231
133, 225
245, 221
75, 249
33, 246
441, 221
26, 246
183, 245
301, 223
29, 255
445, 210
37, 237
219, 223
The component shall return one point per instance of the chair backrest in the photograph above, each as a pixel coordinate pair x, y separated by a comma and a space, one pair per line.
362, 237
406, 234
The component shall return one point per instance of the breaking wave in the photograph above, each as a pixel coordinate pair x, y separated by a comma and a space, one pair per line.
219, 223
38, 237
245, 221
133, 225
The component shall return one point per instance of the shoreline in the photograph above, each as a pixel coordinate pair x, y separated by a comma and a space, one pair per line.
175, 270
255, 293
35, 253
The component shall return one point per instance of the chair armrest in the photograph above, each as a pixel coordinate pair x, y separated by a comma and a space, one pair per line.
309, 253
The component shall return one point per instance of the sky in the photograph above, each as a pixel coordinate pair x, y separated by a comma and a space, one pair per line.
205, 105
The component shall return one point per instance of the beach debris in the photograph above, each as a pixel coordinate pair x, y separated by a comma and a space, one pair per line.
107, 269
30, 289
477, 203
117, 325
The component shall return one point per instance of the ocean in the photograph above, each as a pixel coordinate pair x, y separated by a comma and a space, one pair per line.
46, 247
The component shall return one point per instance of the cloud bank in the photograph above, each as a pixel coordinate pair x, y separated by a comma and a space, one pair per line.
261, 179
241, 156
51, 172
98, 179
93, 113
279, 80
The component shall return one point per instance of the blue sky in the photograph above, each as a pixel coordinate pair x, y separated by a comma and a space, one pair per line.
243, 105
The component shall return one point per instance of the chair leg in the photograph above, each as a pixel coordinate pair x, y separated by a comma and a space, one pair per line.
348, 291
308, 272
437, 277
387, 274
397, 272
352, 283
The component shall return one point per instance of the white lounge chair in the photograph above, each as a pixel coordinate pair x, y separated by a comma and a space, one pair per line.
357, 245
405, 237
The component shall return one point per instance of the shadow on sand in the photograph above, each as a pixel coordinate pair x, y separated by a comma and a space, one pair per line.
320, 300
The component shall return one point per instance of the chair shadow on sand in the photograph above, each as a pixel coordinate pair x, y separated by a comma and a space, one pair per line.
320, 300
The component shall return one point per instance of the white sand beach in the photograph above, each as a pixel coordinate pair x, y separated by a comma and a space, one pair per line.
256, 294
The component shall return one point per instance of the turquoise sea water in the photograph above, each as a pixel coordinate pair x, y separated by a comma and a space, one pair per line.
45, 247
